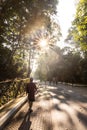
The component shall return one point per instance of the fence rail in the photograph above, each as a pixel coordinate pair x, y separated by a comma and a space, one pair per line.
11, 89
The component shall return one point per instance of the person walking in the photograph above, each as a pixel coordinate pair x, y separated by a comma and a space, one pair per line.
31, 90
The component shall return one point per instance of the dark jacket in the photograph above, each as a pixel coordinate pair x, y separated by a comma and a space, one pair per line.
31, 89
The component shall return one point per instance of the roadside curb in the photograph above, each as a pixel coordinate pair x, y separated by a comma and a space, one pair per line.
5, 119
74, 85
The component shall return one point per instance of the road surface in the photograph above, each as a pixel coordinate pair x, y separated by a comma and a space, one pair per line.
57, 107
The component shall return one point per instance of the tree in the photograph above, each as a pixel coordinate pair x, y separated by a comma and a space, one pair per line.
19, 20
78, 31
66, 65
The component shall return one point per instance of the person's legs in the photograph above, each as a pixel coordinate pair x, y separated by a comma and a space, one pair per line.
30, 101
30, 104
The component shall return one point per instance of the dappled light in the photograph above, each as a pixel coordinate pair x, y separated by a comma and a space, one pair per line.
61, 112
54, 109
70, 91
45, 40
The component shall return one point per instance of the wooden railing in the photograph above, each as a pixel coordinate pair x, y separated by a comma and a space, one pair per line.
11, 89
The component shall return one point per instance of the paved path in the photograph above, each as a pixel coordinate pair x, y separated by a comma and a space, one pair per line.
56, 108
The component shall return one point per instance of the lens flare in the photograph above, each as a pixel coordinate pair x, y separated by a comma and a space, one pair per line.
43, 43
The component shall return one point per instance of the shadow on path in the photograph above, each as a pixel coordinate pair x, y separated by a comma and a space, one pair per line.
25, 125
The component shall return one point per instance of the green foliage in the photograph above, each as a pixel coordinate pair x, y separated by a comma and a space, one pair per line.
11, 89
65, 65
10, 69
78, 32
18, 19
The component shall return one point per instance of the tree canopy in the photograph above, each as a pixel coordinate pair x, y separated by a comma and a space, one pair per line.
78, 31
65, 65
21, 22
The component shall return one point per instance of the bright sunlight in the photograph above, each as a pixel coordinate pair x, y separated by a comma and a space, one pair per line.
43, 43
